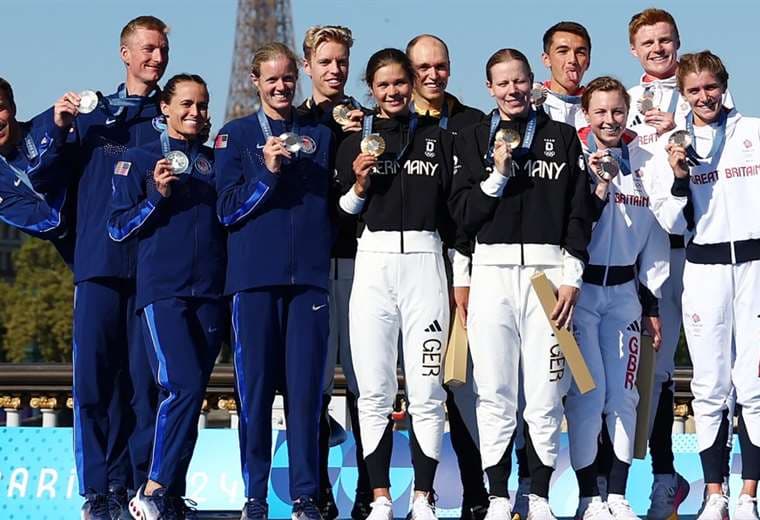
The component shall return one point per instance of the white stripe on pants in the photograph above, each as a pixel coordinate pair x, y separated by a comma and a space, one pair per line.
506, 321
406, 293
721, 303
607, 322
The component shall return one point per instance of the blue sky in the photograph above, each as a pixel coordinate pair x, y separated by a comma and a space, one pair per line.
77, 46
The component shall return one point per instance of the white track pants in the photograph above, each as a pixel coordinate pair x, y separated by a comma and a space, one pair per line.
506, 323
721, 302
339, 346
607, 323
406, 293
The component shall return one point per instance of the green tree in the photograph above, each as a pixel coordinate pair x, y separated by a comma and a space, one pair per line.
37, 306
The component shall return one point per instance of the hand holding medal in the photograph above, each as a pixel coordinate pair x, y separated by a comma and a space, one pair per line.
275, 149
505, 141
348, 117
678, 142
164, 174
372, 146
72, 104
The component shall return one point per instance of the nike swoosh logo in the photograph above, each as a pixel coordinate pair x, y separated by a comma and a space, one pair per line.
211, 330
110, 121
17, 182
317, 307
260, 146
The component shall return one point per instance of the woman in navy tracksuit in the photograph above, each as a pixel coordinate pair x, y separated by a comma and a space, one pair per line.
273, 197
180, 277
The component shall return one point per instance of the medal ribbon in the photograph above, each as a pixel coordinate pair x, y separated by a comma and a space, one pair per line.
718, 142
622, 154
525, 144
367, 130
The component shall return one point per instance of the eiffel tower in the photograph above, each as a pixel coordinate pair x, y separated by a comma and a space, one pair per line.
258, 22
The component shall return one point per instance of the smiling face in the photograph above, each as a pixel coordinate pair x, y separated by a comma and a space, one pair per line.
392, 89
656, 47
510, 86
328, 70
7, 121
704, 92
187, 111
431, 64
276, 84
607, 114
568, 59
145, 52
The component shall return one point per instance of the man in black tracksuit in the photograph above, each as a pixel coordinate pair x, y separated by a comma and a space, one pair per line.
430, 57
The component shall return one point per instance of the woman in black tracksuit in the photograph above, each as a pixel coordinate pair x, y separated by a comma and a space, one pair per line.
399, 281
528, 206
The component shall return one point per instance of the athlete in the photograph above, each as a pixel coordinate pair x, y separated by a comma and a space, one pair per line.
274, 177
25, 148
179, 281
113, 390
430, 58
715, 185
567, 55
654, 40
399, 288
627, 246
529, 208
326, 59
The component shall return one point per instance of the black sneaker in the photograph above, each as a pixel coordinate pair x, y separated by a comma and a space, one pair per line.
255, 509
362, 509
158, 506
305, 508
474, 512
327, 507
118, 503
95, 507
184, 508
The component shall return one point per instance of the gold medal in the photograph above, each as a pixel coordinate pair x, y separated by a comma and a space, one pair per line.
373, 144
509, 136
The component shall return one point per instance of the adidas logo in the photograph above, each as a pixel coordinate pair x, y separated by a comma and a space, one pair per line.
634, 327
434, 327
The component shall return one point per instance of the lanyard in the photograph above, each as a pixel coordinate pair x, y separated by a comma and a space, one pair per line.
122, 101
622, 155
367, 130
525, 144
717, 146
266, 129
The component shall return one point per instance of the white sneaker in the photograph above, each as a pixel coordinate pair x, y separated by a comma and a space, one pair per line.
592, 508
422, 509
715, 507
668, 492
620, 508
499, 508
746, 508
520, 508
601, 483
382, 509
538, 509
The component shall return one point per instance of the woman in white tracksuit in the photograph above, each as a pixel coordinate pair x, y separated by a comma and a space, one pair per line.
399, 194
628, 263
715, 194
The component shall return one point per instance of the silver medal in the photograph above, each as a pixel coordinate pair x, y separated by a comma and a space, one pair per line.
538, 94
608, 168
680, 138
179, 162
291, 141
88, 101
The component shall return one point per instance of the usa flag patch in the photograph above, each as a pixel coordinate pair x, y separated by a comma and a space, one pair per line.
122, 168
221, 141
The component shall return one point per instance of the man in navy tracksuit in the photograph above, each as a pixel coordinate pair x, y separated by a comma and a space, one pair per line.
278, 252
24, 149
113, 407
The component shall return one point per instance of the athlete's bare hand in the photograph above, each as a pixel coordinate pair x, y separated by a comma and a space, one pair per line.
502, 158
661, 121
677, 160
363, 166
66, 109
274, 150
562, 314
462, 300
356, 116
163, 176
653, 325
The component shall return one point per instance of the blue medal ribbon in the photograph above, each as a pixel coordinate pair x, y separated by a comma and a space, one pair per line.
525, 143
266, 128
413, 122
122, 101
717, 146
622, 154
